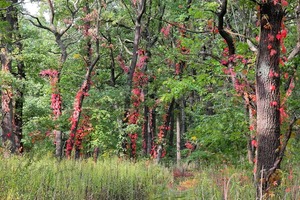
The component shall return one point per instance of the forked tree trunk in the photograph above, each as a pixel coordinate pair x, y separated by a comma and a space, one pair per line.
267, 94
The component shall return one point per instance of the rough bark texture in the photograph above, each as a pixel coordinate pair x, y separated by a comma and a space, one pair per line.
268, 100
8, 139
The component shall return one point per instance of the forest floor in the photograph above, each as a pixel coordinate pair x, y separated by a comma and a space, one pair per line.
46, 178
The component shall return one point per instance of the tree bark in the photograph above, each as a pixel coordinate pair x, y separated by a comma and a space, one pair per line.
8, 138
178, 140
152, 130
267, 94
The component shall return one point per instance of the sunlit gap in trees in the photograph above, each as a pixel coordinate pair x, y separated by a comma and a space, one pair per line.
33, 8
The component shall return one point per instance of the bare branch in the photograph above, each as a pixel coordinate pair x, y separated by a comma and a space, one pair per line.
38, 23
52, 13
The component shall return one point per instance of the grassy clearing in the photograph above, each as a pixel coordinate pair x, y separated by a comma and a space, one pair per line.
46, 178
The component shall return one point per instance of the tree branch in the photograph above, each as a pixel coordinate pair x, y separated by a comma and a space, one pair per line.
282, 148
227, 37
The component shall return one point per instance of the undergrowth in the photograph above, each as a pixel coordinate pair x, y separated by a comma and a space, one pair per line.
46, 178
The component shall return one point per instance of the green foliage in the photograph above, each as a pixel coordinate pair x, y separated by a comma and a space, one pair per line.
219, 137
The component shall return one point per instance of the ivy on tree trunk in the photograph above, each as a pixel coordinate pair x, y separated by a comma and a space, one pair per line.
267, 94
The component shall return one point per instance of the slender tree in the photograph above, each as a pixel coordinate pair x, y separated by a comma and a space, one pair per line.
91, 61
54, 74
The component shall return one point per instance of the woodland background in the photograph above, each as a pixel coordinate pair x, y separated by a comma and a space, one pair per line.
149, 97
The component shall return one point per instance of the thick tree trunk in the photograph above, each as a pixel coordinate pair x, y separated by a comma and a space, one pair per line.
267, 95
8, 138
11, 124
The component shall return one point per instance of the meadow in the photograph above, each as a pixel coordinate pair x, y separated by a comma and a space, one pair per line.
47, 178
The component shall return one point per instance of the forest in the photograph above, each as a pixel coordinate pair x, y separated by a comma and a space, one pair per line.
149, 99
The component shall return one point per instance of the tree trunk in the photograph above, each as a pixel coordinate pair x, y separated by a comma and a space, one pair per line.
252, 137
171, 136
267, 94
141, 7
152, 130
146, 130
11, 124
18, 118
74, 137
8, 138
178, 140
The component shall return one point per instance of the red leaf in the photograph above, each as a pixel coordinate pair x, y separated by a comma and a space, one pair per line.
278, 36
284, 3
251, 128
254, 143
272, 87
270, 37
274, 103
273, 52
283, 33
269, 46
286, 75
281, 62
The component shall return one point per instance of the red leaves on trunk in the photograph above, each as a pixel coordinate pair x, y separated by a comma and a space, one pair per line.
139, 80
84, 129
52, 74
56, 104
83, 91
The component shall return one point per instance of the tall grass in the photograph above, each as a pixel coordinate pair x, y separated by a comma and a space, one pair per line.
46, 178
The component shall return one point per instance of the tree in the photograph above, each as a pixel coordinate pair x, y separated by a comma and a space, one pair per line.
11, 111
91, 32
272, 33
63, 44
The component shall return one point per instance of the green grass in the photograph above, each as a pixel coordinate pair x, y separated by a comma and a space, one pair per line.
46, 178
